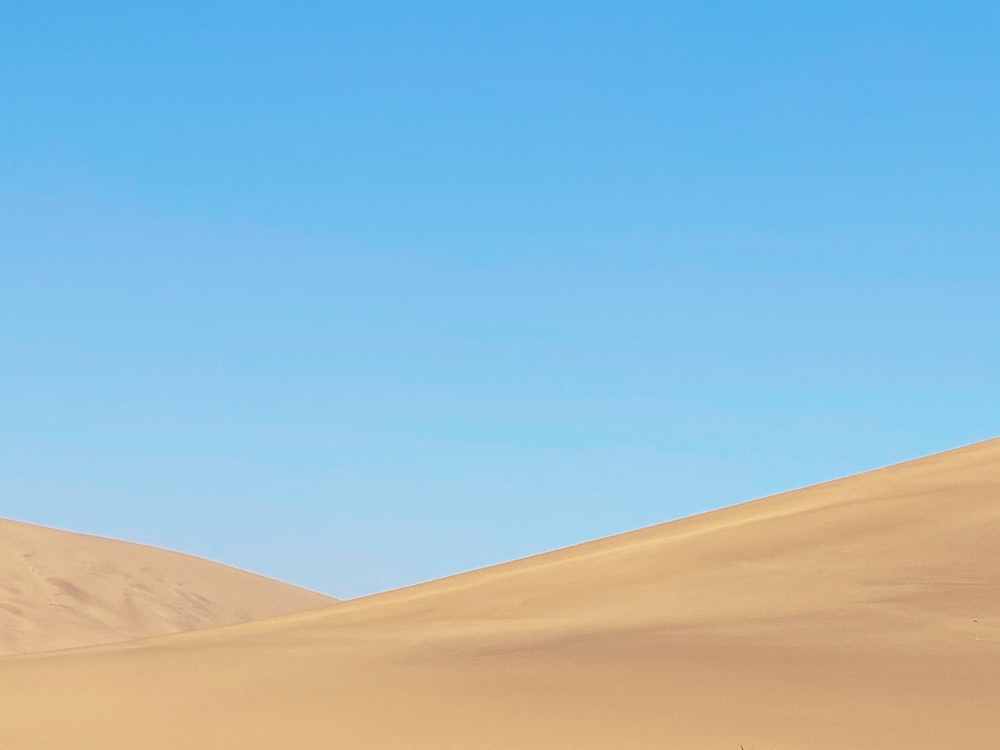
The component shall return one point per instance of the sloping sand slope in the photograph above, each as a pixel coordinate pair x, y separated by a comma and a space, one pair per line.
863, 614
62, 590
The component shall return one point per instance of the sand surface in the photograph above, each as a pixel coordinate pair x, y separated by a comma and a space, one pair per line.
63, 590
861, 614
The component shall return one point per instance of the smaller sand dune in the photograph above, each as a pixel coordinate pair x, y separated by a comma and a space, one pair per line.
63, 590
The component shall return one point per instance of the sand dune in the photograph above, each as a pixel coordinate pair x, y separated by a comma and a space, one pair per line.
863, 614
63, 590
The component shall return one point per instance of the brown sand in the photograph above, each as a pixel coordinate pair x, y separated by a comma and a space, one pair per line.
862, 614
63, 590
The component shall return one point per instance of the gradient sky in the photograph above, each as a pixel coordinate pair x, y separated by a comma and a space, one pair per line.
360, 294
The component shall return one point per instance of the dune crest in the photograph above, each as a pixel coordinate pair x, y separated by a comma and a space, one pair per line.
63, 590
862, 613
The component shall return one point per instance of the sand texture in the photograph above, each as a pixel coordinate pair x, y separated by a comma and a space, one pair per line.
861, 614
64, 590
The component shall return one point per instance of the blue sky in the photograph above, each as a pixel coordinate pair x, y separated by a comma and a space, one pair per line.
357, 295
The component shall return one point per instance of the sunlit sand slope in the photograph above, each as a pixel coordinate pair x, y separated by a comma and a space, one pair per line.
862, 614
63, 590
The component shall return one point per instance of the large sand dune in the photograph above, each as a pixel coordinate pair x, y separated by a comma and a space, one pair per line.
63, 590
862, 614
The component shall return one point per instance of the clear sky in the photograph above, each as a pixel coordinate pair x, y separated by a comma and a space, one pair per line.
360, 294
